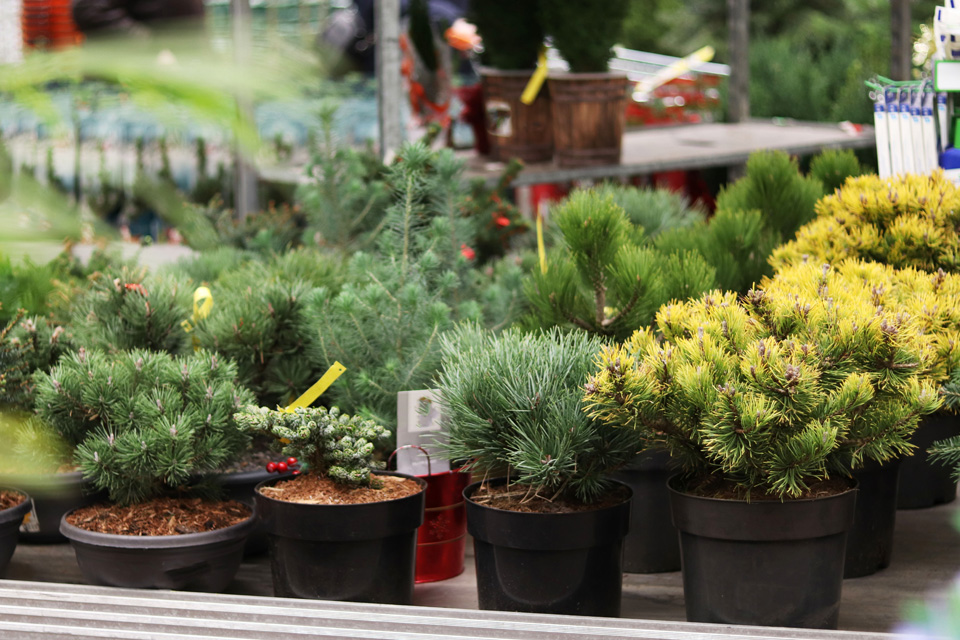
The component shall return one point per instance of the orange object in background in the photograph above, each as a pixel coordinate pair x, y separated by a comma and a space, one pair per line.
48, 24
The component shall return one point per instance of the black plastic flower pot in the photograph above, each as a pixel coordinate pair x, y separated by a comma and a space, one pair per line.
558, 563
205, 561
924, 483
10, 521
241, 487
763, 562
53, 495
870, 541
652, 544
353, 552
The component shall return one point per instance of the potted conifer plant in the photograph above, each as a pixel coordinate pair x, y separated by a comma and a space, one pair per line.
144, 425
767, 403
337, 531
906, 222
589, 103
512, 39
547, 521
932, 301
29, 344
601, 279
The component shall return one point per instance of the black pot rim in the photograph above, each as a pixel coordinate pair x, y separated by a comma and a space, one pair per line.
674, 479
470, 488
271, 481
116, 540
16, 512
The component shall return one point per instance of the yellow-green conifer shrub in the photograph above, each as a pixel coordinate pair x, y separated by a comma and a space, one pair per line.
908, 221
802, 378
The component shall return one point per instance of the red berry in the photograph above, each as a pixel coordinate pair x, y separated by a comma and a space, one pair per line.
271, 467
281, 467
296, 472
291, 461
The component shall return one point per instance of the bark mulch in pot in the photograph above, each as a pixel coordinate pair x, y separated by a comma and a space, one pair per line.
312, 489
160, 517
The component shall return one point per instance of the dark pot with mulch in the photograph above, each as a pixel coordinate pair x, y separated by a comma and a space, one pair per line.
870, 540
360, 549
763, 562
924, 483
199, 546
14, 506
241, 486
561, 563
53, 495
652, 544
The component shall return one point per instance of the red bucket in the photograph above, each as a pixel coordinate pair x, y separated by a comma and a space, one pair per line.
442, 538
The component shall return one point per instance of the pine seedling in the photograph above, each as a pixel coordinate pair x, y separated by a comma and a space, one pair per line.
601, 281
345, 198
27, 344
385, 328
333, 445
654, 210
907, 221
800, 379
773, 186
126, 309
832, 167
143, 423
512, 405
260, 320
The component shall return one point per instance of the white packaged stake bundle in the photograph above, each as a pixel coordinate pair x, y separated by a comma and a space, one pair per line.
883, 135
916, 131
906, 139
929, 126
892, 98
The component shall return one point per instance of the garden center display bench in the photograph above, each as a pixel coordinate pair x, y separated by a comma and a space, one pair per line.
58, 611
926, 558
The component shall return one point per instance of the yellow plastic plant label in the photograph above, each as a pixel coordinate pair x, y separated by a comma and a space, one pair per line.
541, 250
202, 306
321, 385
536, 80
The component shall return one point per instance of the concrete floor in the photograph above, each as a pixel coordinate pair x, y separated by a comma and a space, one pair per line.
926, 559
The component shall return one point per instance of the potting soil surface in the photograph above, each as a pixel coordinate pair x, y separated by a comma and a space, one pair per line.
516, 497
312, 489
725, 490
160, 517
10, 499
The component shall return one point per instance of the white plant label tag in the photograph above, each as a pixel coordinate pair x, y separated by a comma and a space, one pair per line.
418, 423
30, 523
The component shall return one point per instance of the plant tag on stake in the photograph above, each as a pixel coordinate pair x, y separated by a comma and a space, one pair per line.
418, 423
30, 523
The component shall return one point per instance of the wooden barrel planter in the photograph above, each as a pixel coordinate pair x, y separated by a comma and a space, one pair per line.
589, 111
515, 129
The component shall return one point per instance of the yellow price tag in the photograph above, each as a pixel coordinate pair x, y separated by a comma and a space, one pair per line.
314, 392
536, 80
541, 250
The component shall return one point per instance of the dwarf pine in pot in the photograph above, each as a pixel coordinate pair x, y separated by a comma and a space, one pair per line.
144, 425
773, 391
767, 402
337, 532
512, 409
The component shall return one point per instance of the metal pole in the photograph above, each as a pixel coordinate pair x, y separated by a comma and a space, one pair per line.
245, 182
901, 39
738, 36
389, 85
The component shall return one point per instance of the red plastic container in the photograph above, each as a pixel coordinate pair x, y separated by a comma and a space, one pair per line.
48, 24
442, 537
